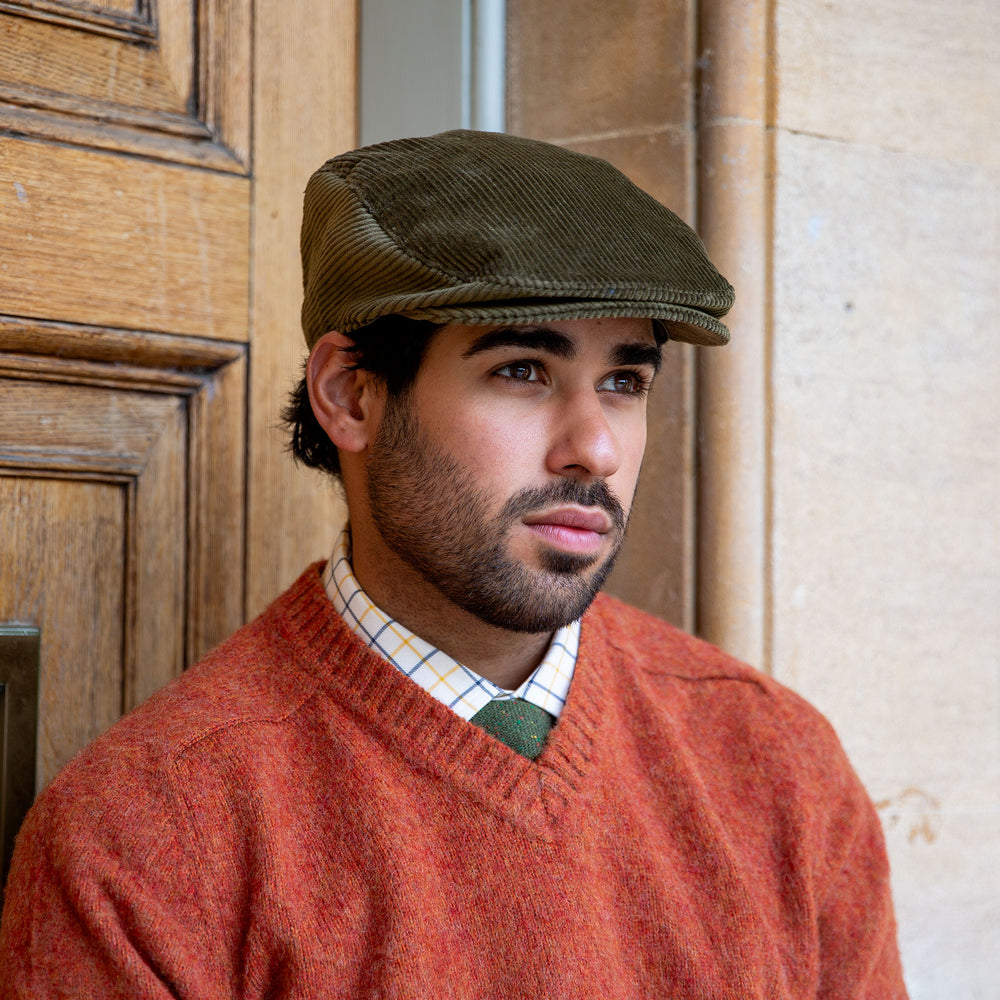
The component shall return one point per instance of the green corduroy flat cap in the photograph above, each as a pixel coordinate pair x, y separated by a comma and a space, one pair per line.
482, 227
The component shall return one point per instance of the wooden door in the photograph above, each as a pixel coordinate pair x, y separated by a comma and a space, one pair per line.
126, 312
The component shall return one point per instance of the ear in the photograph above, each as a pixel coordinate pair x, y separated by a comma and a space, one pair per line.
342, 398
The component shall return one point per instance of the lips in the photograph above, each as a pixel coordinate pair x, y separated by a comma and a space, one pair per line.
586, 519
577, 530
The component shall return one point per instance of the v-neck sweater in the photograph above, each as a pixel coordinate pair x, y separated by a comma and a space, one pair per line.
295, 818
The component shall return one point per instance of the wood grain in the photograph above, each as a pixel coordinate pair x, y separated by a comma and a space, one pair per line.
97, 239
46, 59
157, 553
224, 77
175, 86
73, 426
126, 19
118, 348
62, 546
129, 315
173, 462
216, 469
304, 98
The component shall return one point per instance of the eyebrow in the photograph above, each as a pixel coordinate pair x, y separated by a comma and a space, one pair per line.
528, 339
553, 342
637, 355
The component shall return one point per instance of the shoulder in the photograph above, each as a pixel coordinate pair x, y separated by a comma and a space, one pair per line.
157, 798
714, 701
752, 741
656, 646
257, 673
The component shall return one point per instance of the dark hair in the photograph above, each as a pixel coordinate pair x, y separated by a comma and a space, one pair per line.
391, 348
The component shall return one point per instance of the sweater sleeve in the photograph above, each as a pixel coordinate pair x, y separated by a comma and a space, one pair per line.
856, 924
102, 901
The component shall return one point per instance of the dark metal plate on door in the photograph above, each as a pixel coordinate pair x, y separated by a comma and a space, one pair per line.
20, 649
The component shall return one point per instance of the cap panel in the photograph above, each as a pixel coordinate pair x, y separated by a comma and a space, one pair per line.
483, 208
351, 271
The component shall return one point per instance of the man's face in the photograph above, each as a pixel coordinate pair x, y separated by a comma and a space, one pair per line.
504, 477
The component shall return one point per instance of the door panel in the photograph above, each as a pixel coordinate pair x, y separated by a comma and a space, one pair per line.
107, 59
80, 621
129, 76
125, 196
96, 237
122, 527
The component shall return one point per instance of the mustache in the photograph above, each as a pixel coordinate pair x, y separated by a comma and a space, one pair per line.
596, 494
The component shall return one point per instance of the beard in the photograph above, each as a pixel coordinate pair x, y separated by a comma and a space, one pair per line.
430, 511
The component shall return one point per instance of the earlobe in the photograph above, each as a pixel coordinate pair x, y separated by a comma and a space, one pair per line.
339, 394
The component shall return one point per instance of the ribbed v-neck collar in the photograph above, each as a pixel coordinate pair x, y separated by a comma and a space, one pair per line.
532, 794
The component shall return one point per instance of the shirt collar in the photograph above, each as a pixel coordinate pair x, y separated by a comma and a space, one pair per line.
461, 689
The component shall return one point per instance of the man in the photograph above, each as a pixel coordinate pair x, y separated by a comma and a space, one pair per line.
439, 765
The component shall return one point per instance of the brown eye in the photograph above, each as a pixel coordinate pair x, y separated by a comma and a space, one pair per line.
626, 383
520, 371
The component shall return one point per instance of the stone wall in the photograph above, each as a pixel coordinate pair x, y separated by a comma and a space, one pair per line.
874, 387
885, 458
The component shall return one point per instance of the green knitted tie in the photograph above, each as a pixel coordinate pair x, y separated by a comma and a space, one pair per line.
516, 722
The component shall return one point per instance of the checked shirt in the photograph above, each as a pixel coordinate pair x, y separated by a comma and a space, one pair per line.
461, 689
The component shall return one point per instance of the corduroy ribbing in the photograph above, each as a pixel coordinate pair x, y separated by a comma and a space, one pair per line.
486, 228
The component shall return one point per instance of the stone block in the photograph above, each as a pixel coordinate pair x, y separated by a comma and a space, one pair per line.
586, 67
885, 401
918, 77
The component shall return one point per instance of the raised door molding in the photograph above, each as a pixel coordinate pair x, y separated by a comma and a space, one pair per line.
121, 484
166, 80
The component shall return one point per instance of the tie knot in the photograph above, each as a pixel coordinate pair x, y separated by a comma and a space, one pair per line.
516, 722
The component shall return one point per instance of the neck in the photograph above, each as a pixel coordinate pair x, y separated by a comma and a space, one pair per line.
504, 657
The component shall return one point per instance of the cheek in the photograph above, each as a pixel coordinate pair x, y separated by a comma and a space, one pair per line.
505, 452
624, 481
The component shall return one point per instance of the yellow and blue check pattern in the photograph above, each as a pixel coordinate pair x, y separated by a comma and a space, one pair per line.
447, 680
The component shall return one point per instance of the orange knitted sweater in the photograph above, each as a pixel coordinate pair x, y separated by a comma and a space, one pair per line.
294, 818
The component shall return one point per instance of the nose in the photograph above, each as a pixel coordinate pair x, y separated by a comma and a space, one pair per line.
584, 444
